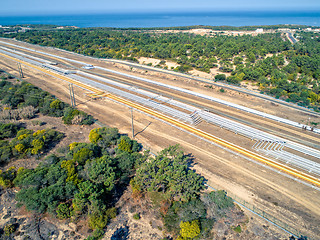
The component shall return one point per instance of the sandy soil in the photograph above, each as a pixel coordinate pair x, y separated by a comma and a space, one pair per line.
210, 32
231, 96
154, 62
213, 72
171, 65
288, 200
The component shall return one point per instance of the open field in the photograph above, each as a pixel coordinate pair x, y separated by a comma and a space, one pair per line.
288, 199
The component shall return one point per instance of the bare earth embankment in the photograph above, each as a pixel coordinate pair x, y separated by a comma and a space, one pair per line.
284, 198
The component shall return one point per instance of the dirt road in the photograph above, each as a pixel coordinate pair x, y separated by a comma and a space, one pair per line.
283, 197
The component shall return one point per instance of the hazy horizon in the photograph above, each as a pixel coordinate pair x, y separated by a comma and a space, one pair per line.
172, 19
61, 7
242, 12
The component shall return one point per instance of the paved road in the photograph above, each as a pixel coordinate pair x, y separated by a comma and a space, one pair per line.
291, 38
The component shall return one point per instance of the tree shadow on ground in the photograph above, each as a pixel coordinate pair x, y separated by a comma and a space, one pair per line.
121, 233
191, 160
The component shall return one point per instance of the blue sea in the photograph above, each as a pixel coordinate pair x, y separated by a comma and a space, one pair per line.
127, 20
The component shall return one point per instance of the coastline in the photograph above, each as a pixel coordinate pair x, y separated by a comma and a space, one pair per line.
171, 19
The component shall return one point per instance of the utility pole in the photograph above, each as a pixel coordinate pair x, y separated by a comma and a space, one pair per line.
132, 123
71, 95
20, 70
74, 100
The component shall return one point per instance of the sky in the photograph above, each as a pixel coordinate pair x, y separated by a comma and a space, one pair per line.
53, 7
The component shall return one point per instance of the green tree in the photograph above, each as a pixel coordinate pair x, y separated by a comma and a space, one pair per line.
98, 221
9, 229
125, 144
251, 57
99, 171
83, 155
57, 104
169, 173
190, 230
64, 211
220, 77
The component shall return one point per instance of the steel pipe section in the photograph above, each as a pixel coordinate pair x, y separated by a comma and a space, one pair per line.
267, 143
294, 160
246, 109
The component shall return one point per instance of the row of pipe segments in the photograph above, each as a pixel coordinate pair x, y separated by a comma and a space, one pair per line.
196, 118
268, 145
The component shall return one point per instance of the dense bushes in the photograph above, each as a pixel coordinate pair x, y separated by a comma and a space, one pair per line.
83, 181
23, 101
176, 191
170, 174
74, 116
44, 188
28, 143
188, 50
220, 77
195, 218
279, 68
8, 130
5, 152
25, 142
7, 177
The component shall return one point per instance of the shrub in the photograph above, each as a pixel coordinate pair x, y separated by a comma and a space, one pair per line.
9, 229
8, 130
83, 155
94, 136
27, 112
96, 235
74, 116
220, 77
37, 146
6, 178
57, 104
64, 211
136, 216
216, 202
72, 145
111, 213
190, 229
20, 147
220, 199
69, 114
98, 221
77, 120
184, 212
125, 144
37, 123
237, 229
69, 166
107, 136
5, 152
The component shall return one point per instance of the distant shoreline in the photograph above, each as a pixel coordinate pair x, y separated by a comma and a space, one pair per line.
153, 20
